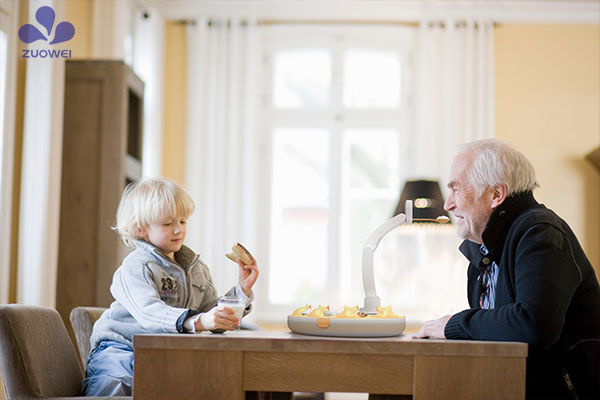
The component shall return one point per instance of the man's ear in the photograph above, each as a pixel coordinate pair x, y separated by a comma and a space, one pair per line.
499, 194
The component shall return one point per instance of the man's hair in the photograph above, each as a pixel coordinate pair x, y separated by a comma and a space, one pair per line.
147, 201
496, 162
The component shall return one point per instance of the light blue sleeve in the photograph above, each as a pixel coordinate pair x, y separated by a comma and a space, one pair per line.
135, 290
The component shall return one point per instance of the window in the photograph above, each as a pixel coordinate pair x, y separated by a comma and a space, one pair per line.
336, 101
300, 213
302, 78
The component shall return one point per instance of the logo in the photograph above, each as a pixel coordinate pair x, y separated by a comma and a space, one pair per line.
63, 32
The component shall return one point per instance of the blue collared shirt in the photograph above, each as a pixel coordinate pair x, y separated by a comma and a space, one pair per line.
489, 277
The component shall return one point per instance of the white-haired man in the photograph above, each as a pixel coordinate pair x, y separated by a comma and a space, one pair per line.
529, 280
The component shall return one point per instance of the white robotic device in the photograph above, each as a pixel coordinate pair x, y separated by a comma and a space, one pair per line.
371, 320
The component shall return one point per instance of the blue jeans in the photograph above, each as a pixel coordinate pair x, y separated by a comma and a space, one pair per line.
109, 370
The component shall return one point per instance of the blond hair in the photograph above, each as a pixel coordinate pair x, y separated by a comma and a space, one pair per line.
496, 162
147, 201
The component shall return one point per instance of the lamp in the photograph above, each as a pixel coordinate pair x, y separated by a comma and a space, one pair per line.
426, 197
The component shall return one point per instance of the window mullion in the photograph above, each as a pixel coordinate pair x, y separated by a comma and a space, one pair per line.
303, 117
336, 171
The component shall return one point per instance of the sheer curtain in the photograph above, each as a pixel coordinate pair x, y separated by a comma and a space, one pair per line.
148, 52
454, 90
222, 145
454, 103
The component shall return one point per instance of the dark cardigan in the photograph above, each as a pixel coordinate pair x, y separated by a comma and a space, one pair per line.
547, 295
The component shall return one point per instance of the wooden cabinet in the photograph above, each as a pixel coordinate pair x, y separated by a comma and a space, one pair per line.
102, 151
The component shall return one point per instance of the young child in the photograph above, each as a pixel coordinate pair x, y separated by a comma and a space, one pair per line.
160, 287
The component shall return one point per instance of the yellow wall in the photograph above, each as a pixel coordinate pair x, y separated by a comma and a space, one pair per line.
548, 106
174, 123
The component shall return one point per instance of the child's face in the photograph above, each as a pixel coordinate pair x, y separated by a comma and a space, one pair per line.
167, 234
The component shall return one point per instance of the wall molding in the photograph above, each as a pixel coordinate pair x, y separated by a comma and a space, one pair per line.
501, 11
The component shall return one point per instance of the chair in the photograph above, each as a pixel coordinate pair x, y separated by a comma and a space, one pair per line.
37, 357
82, 321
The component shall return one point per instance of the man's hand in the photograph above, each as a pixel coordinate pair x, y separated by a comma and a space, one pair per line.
433, 329
217, 319
248, 277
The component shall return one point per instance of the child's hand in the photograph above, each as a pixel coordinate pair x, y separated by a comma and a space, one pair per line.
216, 318
248, 276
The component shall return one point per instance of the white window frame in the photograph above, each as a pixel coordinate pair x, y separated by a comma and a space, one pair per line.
335, 119
9, 17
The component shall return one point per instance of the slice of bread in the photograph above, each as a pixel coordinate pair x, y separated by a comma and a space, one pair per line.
239, 252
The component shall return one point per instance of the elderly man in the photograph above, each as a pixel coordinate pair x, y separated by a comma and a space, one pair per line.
528, 279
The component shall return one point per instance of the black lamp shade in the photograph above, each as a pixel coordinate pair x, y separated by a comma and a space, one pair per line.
426, 197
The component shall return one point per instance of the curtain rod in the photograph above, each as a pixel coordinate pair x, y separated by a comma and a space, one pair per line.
333, 22
271, 22
459, 22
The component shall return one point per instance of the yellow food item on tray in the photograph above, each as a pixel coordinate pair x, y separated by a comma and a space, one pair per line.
319, 312
385, 312
347, 313
300, 310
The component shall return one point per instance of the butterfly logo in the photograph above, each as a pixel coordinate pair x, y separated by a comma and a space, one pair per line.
45, 16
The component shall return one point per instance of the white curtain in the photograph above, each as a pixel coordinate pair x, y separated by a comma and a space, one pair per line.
148, 53
221, 161
454, 91
454, 104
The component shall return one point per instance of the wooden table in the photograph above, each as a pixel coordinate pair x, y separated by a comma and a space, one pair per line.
208, 366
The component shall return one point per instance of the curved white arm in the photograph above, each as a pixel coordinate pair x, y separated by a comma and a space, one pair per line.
371, 298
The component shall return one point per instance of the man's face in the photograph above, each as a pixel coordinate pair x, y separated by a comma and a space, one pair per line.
472, 211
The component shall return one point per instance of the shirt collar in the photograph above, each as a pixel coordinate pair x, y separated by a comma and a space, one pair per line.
483, 250
497, 228
184, 257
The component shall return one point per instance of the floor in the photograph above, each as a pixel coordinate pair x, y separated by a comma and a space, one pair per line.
346, 396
